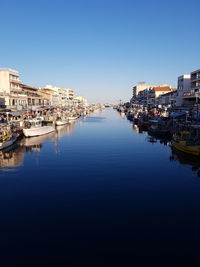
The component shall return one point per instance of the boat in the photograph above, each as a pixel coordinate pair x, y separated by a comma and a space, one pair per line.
184, 142
72, 118
35, 127
158, 129
61, 122
8, 142
7, 138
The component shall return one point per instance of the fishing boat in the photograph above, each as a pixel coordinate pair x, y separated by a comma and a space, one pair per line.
158, 129
35, 127
183, 141
7, 138
72, 118
61, 122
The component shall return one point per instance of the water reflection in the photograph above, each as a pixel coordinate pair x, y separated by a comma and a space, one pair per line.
176, 156
14, 155
186, 159
64, 129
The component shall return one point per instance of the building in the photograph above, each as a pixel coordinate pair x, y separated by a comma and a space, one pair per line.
142, 93
11, 92
195, 81
70, 93
183, 86
61, 96
142, 97
167, 100
192, 96
79, 100
155, 92
137, 89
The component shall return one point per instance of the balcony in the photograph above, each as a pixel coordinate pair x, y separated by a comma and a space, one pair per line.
16, 90
15, 81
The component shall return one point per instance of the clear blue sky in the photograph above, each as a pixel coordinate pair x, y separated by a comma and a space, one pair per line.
100, 48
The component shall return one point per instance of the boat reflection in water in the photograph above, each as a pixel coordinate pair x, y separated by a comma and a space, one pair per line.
14, 155
185, 159
35, 143
11, 157
63, 130
163, 141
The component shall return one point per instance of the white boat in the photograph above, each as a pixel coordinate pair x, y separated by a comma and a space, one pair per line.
35, 128
61, 122
37, 140
72, 118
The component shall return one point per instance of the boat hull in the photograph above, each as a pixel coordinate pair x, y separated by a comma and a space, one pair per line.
38, 131
59, 123
8, 143
72, 118
181, 145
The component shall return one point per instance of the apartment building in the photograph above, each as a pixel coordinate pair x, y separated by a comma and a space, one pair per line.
183, 87
195, 81
167, 100
137, 89
61, 96
192, 96
155, 92
11, 90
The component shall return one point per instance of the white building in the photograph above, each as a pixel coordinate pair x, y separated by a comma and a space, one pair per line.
10, 89
183, 86
192, 96
138, 88
80, 100
61, 96
195, 81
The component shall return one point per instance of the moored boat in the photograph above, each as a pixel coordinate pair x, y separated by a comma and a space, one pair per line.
61, 122
157, 129
72, 118
35, 128
7, 137
185, 143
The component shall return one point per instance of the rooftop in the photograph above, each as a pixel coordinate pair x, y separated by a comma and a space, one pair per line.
10, 70
163, 88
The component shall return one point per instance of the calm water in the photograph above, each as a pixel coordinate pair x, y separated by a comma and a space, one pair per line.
98, 193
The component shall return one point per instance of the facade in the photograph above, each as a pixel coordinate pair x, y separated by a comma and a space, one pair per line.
195, 81
60, 96
137, 89
192, 96
157, 91
183, 87
142, 97
10, 89
167, 100
80, 100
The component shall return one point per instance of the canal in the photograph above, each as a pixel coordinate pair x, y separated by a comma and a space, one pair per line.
99, 193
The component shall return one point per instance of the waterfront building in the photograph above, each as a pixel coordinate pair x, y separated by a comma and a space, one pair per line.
145, 94
183, 86
155, 92
11, 92
61, 96
137, 89
167, 100
80, 101
142, 97
192, 96
195, 81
